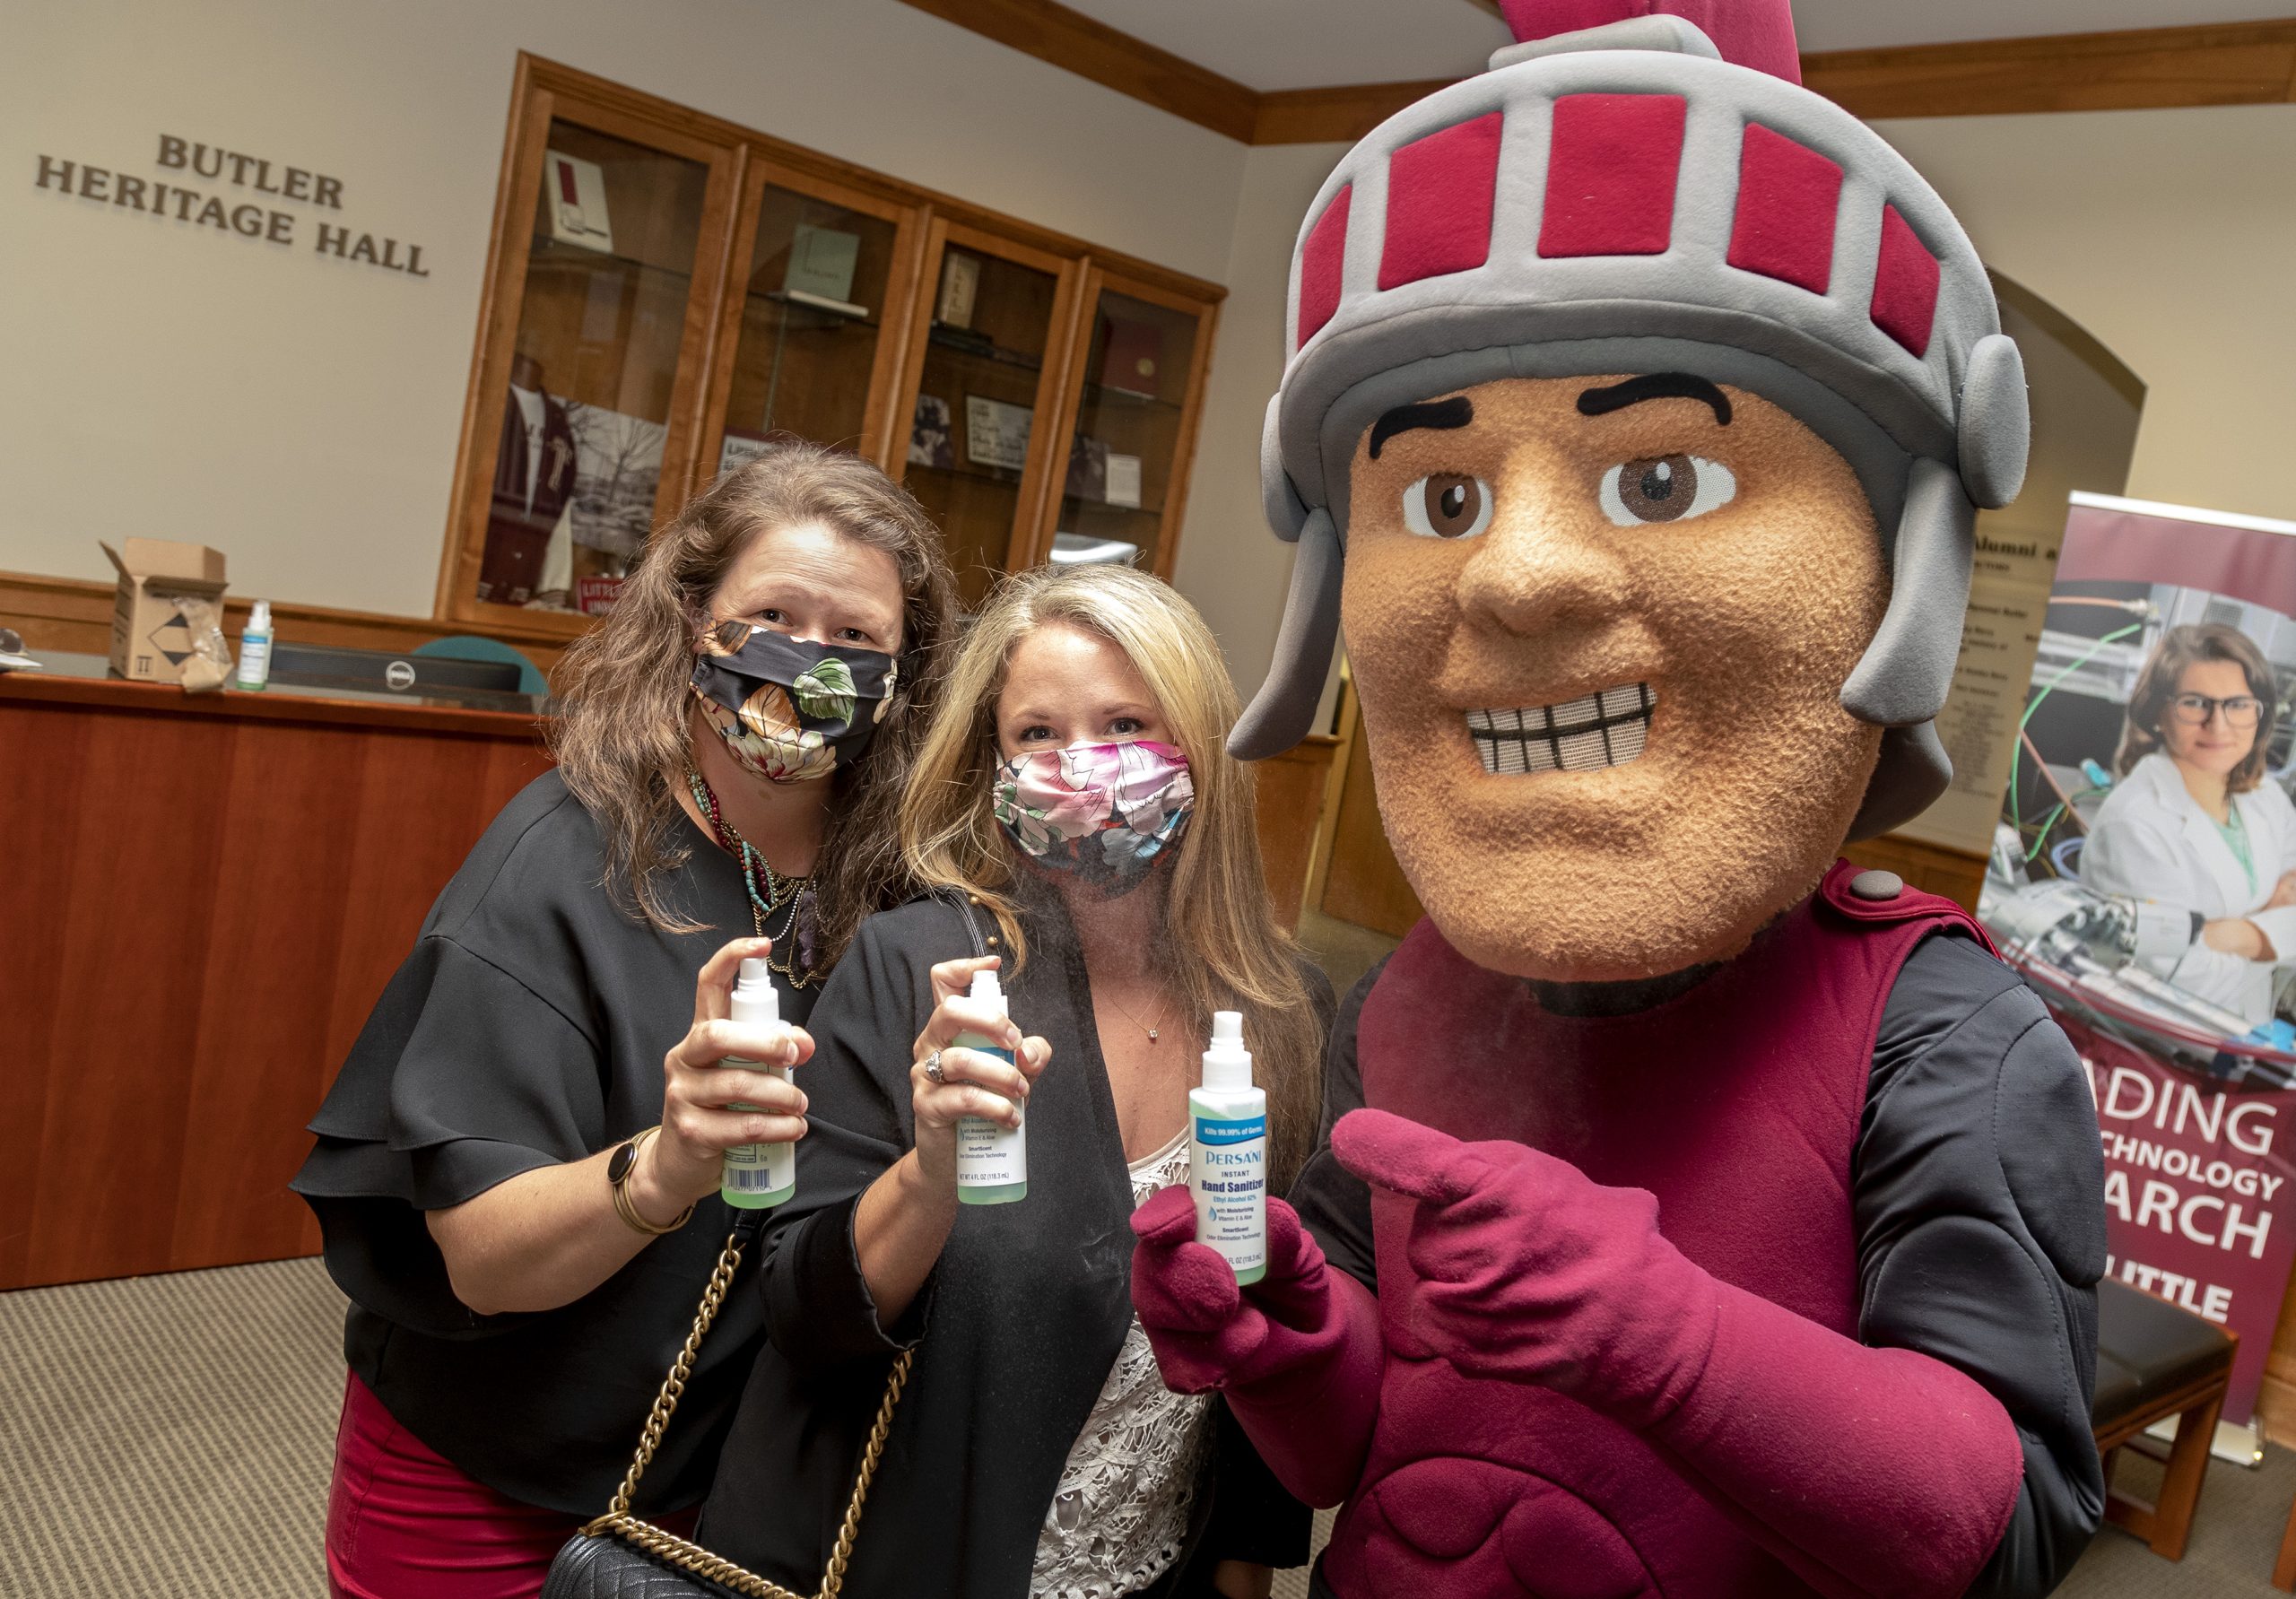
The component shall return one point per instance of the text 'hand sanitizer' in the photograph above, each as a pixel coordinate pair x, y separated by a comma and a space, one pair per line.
1227, 1155
758, 1175
992, 1158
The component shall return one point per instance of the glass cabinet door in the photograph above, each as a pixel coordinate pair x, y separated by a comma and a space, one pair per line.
591, 429
826, 272
975, 457
1127, 463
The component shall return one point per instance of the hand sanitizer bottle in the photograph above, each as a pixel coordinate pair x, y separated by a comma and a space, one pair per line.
756, 1175
992, 1158
255, 649
1227, 1154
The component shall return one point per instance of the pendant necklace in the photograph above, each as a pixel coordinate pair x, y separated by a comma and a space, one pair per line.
1143, 1027
771, 894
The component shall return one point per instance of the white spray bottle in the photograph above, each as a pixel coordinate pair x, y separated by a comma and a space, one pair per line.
758, 1175
1227, 1155
255, 649
992, 1158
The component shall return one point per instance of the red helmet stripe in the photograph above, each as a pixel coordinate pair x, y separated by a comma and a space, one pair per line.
1610, 179
1439, 192
1788, 197
1905, 284
1322, 261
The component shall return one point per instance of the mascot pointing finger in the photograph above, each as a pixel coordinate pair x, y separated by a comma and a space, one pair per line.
1697, 1216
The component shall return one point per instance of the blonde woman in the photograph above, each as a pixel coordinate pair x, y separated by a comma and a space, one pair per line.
1074, 799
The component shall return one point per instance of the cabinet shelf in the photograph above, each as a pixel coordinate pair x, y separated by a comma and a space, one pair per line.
556, 252
1127, 399
957, 341
832, 313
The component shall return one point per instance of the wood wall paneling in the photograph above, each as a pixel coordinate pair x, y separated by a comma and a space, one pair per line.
1092, 49
2214, 65
215, 893
2226, 65
1289, 791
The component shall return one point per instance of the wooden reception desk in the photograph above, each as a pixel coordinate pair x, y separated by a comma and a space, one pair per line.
200, 900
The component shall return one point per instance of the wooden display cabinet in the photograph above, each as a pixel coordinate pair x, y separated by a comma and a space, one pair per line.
666, 292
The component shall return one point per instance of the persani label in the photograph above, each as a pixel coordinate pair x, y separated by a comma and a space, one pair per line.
1228, 1175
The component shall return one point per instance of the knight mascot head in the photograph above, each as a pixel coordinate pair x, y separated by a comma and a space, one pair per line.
1637, 406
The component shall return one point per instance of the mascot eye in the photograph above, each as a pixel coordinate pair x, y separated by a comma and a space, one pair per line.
1446, 506
1666, 489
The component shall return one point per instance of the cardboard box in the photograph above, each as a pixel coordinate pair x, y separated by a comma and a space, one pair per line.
166, 591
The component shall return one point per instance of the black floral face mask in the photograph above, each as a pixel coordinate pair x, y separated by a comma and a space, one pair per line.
790, 711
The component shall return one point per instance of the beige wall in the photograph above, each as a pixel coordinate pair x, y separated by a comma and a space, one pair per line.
2169, 235
301, 412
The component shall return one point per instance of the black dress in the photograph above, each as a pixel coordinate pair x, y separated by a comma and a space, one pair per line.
1015, 1332
527, 1029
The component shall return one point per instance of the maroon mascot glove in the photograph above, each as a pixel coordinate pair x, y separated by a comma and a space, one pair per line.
1525, 1268
1869, 1471
1297, 1354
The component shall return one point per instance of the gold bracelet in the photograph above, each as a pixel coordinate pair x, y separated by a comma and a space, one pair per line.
625, 1209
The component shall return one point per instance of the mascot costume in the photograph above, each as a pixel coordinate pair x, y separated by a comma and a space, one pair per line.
1696, 1216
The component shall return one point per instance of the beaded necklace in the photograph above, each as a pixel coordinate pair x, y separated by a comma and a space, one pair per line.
771, 893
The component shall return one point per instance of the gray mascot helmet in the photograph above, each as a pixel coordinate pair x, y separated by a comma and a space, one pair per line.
1620, 198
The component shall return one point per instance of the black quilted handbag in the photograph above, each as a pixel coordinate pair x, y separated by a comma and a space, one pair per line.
618, 1556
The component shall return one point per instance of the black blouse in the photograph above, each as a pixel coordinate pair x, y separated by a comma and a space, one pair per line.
1015, 1332
528, 1028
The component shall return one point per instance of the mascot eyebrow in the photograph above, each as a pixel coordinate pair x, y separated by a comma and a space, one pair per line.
1457, 411
1657, 385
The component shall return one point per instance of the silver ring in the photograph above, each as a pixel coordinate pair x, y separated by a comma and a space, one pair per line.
933, 1068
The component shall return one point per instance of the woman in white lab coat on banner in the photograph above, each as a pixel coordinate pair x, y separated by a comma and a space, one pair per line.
2194, 823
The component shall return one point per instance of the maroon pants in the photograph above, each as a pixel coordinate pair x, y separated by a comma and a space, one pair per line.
403, 1523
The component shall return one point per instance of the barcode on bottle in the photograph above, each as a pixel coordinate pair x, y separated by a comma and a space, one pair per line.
746, 1177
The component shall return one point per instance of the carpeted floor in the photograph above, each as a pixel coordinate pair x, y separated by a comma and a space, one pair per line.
169, 1438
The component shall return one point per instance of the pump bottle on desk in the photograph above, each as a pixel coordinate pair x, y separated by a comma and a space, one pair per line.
992, 1158
255, 649
758, 1175
1227, 1155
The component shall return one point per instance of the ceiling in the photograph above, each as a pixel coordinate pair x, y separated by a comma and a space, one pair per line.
1302, 44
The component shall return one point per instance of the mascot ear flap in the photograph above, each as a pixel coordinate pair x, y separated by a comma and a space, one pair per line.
1284, 709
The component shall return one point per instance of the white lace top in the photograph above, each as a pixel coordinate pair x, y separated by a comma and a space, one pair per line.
1117, 1518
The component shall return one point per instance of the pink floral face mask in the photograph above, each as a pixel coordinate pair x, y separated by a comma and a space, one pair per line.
1104, 811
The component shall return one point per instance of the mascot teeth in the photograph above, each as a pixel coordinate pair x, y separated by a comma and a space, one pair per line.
1583, 735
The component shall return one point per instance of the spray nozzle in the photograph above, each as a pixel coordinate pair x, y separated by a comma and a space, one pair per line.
984, 985
1226, 1064
755, 999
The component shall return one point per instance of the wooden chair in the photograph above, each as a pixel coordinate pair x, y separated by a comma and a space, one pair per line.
2156, 1359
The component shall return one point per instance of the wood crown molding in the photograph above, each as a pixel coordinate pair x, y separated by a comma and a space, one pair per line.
2234, 64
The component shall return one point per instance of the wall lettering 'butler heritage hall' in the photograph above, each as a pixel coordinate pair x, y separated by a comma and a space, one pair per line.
247, 218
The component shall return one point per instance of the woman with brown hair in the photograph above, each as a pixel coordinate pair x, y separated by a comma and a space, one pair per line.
518, 1170
2194, 822
1076, 805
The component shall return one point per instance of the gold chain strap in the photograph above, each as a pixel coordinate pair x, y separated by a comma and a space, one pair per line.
691, 1556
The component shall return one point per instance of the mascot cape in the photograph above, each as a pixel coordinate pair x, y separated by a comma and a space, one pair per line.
1697, 1216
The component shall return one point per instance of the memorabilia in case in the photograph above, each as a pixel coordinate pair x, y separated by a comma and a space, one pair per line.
1123, 482
821, 261
578, 201
996, 434
595, 596
929, 443
1131, 355
1088, 468
618, 466
960, 283
740, 448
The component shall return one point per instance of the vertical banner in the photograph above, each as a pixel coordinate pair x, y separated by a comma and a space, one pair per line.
2197, 1197
2143, 880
